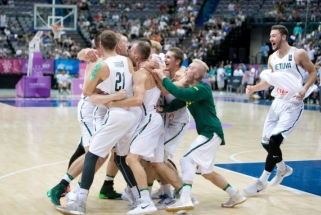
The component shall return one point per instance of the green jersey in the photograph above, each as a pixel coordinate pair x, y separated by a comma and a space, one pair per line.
199, 101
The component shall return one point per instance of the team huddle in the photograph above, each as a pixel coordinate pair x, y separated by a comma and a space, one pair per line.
136, 110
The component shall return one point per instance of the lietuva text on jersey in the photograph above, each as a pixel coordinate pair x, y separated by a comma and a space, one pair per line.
282, 66
119, 64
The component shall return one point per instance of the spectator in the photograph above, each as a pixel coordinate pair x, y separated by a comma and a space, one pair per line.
264, 53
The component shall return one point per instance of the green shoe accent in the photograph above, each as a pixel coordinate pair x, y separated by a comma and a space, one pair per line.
54, 194
108, 192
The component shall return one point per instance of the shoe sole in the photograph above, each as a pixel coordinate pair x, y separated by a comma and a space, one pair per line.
102, 196
174, 210
62, 211
231, 206
286, 175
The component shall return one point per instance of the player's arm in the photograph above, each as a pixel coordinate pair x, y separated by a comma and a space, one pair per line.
305, 62
130, 66
139, 79
94, 73
176, 104
88, 54
100, 99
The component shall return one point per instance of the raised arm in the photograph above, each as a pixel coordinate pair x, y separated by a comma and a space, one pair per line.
88, 54
94, 72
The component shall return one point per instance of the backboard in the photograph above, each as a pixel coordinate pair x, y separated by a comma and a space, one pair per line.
47, 15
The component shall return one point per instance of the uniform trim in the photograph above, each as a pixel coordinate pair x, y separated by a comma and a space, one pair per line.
144, 109
94, 119
87, 129
80, 110
293, 123
106, 119
193, 149
297, 68
176, 134
150, 118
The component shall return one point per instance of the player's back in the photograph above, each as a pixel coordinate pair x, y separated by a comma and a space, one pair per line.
119, 78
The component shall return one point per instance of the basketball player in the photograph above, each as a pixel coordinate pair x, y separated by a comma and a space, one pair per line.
85, 118
149, 133
116, 74
284, 113
176, 125
199, 100
131, 192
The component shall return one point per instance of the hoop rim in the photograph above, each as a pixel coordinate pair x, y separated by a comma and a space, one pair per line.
57, 27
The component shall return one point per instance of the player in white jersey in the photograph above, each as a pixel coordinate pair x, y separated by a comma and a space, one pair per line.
85, 112
176, 125
98, 116
285, 111
116, 74
149, 131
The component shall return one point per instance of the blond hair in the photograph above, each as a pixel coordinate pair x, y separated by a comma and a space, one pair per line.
201, 63
156, 45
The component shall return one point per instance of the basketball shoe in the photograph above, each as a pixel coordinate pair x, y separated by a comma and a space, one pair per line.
255, 189
280, 175
234, 200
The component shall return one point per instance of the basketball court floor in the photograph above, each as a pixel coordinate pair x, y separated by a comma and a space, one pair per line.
38, 136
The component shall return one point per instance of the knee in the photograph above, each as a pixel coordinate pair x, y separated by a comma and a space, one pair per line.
132, 159
119, 160
275, 142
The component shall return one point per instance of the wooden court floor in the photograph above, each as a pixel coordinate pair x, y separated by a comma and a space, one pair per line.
36, 143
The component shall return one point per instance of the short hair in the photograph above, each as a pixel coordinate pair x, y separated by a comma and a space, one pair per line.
97, 40
201, 63
156, 45
282, 29
145, 39
178, 54
108, 39
143, 49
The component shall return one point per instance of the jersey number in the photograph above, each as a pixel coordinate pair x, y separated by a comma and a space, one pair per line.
120, 81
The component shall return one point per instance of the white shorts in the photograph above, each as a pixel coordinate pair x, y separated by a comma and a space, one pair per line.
85, 111
148, 136
174, 134
203, 151
98, 116
282, 118
116, 124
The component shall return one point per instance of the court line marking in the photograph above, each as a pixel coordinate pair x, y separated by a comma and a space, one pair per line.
31, 168
289, 188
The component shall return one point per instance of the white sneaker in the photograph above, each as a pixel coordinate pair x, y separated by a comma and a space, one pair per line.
164, 202
234, 200
278, 178
158, 194
194, 200
71, 197
181, 204
128, 196
255, 189
144, 207
76, 208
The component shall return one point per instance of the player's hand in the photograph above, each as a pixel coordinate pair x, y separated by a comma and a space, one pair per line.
249, 90
159, 108
92, 55
121, 94
170, 116
159, 73
301, 95
154, 64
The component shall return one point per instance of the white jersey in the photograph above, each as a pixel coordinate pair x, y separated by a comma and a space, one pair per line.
181, 115
62, 78
119, 77
150, 100
288, 65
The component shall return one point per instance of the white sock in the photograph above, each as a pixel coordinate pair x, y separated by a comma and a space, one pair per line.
281, 166
186, 191
68, 177
82, 194
144, 195
167, 190
230, 190
135, 192
109, 178
265, 176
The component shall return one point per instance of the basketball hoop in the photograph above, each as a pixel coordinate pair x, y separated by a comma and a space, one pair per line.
57, 29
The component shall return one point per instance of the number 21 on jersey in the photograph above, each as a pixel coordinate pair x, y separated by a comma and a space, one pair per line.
120, 81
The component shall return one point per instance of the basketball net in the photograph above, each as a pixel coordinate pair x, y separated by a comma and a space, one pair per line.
57, 29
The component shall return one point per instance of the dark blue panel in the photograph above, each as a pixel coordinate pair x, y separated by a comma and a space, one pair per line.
306, 175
